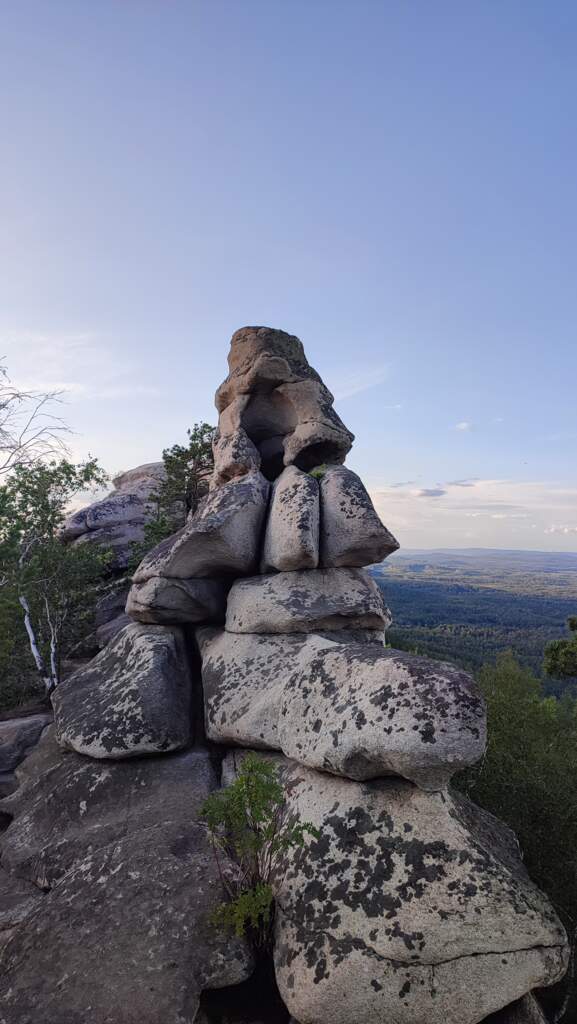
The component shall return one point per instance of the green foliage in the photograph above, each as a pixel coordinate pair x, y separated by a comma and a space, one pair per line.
248, 825
561, 655
528, 777
319, 471
188, 468
47, 588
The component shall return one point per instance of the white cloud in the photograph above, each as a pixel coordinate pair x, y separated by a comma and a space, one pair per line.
356, 381
81, 365
485, 513
463, 425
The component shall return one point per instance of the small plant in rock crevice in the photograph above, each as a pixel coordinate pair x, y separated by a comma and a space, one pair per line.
249, 825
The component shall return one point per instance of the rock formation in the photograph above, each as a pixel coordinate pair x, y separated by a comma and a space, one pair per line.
258, 627
117, 521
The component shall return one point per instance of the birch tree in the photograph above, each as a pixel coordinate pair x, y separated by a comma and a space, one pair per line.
51, 583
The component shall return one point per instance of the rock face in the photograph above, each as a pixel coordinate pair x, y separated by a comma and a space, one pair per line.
133, 698
364, 712
352, 532
110, 843
280, 402
410, 907
17, 738
292, 532
168, 601
243, 678
117, 521
306, 602
222, 540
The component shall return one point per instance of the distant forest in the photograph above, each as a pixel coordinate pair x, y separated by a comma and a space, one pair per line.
468, 609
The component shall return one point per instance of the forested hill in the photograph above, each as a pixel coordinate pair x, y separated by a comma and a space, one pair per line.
469, 604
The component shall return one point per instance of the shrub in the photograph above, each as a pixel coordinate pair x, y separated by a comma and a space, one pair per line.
248, 823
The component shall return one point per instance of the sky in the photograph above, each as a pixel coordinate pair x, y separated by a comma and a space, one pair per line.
391, 180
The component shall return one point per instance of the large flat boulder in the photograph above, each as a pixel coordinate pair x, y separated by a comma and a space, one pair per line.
234, 455
133, 698
131, 883
168, 601
67, 806
352, 533
365, 711
224, 539
292, 531
17, 738
411, 907
306, 602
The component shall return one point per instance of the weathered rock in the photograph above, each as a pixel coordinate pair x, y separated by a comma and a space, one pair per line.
133, 698
112, 602
151, 897
411, 906
523, 1011
352, 533
306, 602
223, 540
234, 455
67, 806
363, 711
243, 677
17, 738
133, 881
117, 521
164, 600
17, 898
292, 531
276, 397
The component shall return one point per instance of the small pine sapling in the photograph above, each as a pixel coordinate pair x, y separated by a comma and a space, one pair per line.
249, 825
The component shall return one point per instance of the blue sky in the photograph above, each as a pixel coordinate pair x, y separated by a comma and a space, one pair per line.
392, 181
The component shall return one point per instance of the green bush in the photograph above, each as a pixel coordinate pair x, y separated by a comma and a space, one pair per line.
248, 825
528, 778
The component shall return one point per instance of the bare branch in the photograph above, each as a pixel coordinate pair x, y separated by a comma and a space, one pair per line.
28, 432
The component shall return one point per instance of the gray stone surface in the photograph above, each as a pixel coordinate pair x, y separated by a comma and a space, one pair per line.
133, 698
168, 601
411, 906
17, 899
363, 711
117, 521
352, 533
234, 455
306, 601
123, 936
17, 738
243, 677
67, 805
223, 539
292, 531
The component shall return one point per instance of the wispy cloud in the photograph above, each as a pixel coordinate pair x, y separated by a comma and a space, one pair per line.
82, 365
429, 492
484, 513
463, 426
361, 380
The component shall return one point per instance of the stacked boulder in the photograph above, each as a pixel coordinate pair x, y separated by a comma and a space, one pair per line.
257, 626
117, 521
